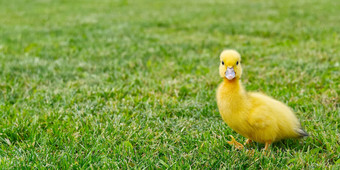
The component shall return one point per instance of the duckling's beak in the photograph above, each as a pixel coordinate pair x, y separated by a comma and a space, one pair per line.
230, 73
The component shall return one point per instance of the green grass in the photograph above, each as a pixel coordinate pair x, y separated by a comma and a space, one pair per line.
131, 84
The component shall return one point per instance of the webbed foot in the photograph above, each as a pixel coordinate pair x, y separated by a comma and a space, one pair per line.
234, 143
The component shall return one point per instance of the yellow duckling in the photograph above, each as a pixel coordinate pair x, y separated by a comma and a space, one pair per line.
253, 115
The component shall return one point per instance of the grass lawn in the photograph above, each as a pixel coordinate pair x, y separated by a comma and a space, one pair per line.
131, 84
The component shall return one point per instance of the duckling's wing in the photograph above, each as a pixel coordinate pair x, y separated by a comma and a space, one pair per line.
264, 125
259, 118
261, 113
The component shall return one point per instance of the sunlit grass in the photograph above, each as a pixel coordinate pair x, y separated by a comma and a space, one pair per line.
125, 84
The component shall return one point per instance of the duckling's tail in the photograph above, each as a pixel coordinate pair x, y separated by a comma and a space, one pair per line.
301, 132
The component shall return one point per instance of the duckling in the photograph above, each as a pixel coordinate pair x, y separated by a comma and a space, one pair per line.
255, 116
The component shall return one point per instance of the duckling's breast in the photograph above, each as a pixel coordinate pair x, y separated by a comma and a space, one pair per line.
234, 108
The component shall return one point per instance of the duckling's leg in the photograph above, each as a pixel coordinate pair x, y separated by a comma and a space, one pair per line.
235, 143
267, 145
248, 141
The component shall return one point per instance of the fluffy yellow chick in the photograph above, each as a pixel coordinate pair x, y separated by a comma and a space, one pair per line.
253, 115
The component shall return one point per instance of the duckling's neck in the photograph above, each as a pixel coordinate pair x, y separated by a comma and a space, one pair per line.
237, 95
233, 86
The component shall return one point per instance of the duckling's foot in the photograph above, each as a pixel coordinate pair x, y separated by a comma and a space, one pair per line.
234, 143
267, 145
266, 149
248, 141
250, 152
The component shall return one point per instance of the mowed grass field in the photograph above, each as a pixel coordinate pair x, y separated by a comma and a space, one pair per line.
131, 84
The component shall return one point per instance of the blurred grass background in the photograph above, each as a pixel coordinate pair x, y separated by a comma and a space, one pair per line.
131, 84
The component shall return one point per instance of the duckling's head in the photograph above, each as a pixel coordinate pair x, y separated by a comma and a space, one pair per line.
230, 65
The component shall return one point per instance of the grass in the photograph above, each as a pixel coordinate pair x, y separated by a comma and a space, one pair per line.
125, 84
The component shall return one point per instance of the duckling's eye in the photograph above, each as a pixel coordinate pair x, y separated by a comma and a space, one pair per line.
236, 62
222, 63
